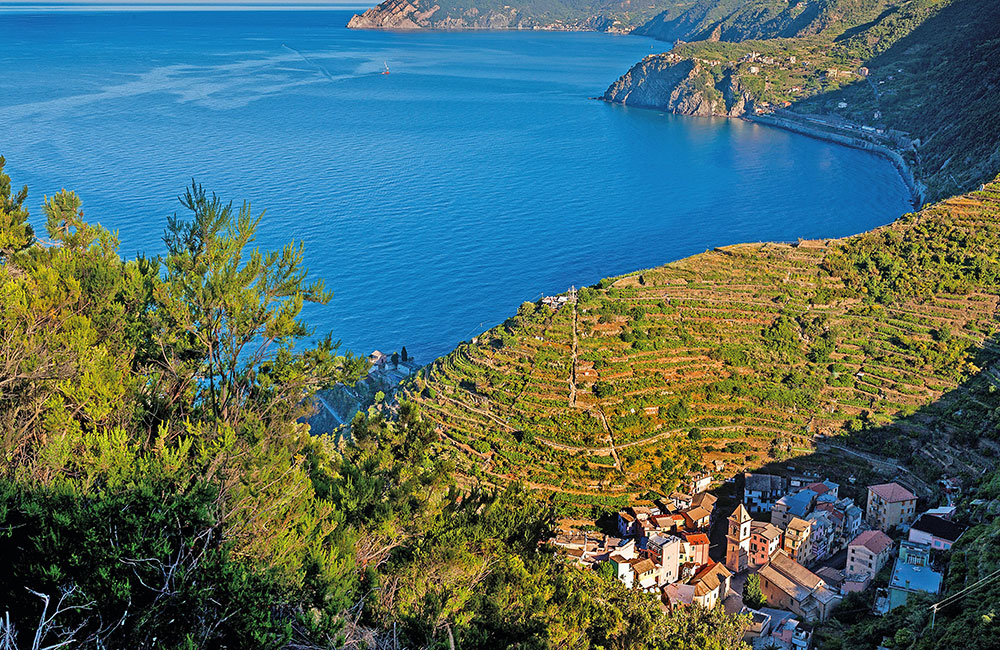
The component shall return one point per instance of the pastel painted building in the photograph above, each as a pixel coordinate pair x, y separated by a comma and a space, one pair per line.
890, 505
694, 549
796, 540
765, 541
665, 551
868, 553
936, 532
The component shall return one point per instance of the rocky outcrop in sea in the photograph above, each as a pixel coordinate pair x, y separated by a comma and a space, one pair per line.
680, 85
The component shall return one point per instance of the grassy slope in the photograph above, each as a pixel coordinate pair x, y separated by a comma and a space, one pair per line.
756, 347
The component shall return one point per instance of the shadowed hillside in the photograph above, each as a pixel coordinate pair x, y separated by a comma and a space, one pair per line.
917, 81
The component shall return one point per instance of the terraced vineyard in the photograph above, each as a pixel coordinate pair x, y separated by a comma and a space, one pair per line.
745, 354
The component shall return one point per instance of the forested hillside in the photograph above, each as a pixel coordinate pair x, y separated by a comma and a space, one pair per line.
916, 80
742, 354
740, 20
934, 74
159, 490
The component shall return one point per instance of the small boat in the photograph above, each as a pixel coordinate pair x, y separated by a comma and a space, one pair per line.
386, 71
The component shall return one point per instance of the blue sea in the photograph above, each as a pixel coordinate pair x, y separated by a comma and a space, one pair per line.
432, 200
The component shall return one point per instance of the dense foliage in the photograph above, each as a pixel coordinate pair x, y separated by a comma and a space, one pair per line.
160, 490
738, 20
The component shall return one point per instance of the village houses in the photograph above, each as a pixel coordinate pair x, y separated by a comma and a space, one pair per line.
890, 505
866, 555
760, 491
789, 585
937, 532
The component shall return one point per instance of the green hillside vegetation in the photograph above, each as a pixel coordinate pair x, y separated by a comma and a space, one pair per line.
939, 82
922, 75
601, 15
742, 354
738, 20
970, 619
159, 490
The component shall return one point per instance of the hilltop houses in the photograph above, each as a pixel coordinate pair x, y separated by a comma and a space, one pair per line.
760, 491
789, 585
669, 540
696, 482
664, 548
890, 505
590, 548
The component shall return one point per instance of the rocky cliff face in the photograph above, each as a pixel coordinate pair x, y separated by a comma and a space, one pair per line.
393, 14
682, 86
427, 14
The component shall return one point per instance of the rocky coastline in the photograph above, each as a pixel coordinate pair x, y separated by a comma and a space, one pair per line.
685, 86
682, 86
414, 14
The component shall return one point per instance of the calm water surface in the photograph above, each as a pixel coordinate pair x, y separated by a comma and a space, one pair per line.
433, 200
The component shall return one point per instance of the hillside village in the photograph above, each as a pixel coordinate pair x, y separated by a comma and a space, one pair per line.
806, 546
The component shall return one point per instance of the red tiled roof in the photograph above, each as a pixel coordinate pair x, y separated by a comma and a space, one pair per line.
696, 538
709, 578
892, 492
874, 540
818, 488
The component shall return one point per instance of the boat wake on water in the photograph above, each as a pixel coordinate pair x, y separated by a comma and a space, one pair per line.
323, 71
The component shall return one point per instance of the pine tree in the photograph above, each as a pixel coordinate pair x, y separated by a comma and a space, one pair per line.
753, 597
